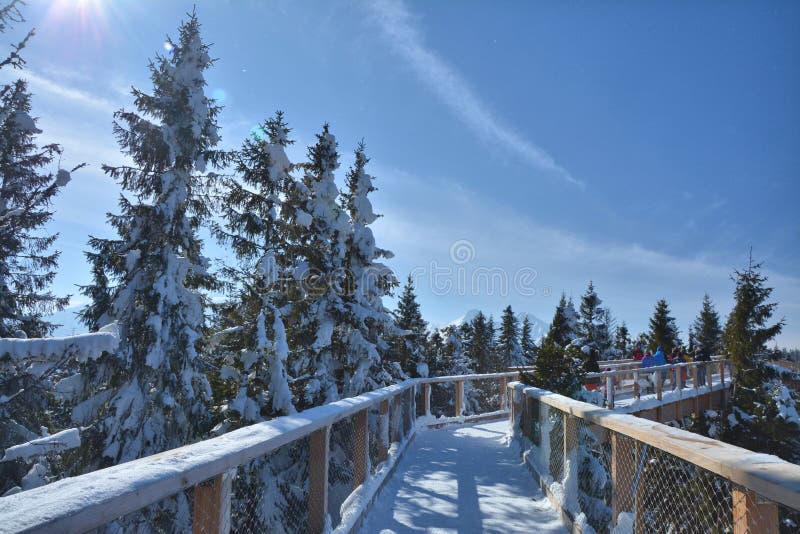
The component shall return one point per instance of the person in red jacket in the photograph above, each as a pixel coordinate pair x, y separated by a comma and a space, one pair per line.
638, 354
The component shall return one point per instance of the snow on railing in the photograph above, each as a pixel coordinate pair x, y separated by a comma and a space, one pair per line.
81, 347
691, 379
617, 473
337, 455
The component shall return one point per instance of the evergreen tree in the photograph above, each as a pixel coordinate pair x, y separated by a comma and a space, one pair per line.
527, 344
27, 263
622, 340
479, 346
409, 348
594, 325
159, 394
763, 411
555, 370
369, 324
562, 327
663, 330
253, 343
508, 344
706, 328
320, 244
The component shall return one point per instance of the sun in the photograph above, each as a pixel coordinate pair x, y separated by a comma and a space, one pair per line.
87, 17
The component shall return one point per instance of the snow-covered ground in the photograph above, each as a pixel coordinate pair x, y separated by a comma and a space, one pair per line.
462, 479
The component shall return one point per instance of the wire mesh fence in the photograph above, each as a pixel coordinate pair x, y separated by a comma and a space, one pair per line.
614, 482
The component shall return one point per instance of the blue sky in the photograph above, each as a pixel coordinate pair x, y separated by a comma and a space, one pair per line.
645, 146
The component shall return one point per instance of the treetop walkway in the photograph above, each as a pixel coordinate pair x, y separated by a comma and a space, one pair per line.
392, 460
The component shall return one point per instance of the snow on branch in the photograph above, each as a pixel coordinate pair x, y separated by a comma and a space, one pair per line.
62, 441
81, 347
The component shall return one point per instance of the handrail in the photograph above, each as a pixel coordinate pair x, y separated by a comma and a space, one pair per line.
91, 500
669, 366
768, 475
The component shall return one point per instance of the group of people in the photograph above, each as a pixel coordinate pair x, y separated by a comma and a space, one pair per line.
679, 354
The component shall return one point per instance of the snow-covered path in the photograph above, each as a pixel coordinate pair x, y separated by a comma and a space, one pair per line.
461, 479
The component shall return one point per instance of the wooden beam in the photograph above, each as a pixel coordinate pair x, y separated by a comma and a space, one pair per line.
750, 515
503, 393
459, 401
426, 398
360, 448
212, 505
384, 423
318, 480
623, 467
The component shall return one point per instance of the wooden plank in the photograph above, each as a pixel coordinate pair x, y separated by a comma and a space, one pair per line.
459, 401
503, 392
426, 398
360, 447
212, 505
383, 446
318, 480
751, 516
623, 468
636, 392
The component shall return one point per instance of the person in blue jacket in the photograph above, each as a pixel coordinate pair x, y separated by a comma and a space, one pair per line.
659, 358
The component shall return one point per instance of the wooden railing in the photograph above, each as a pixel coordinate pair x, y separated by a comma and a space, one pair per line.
95, 499
655, 476
628, 380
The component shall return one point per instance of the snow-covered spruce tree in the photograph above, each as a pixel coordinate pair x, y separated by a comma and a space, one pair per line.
251, 345
706, 328
509, 348
555, 370
368, 324
663, 330
762, 414
27, 263
527, 344
160, 393
564, 324
452, 359
409, 348
480, 344
319, 231
593, 329
622, 340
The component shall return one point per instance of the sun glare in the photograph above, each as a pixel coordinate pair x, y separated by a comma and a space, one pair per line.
88, 17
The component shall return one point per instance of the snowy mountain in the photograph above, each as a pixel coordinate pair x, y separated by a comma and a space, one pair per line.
538, 327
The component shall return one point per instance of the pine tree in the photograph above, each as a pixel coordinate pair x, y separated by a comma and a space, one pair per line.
594, 323
763, 411
562, 327
508, 344
252, 342
409, 348
706, 328
27, 265
480, 344
622, 340
555, 370
320, 228
663, 330
527, 344
369, 324
159, 394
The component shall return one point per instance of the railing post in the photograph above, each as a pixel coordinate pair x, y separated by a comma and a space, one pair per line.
636, 392
408, 411
610, 393
751, 516
679, 385
696, 392
622, 472
318, 480
722, 373
383, 446
659, 384
394, 419
426, 398
360, 447
527, 417
503, 393
212, 505
570, 442
459, 401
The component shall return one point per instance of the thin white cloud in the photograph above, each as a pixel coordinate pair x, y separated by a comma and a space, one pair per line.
395, 22
41, 84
